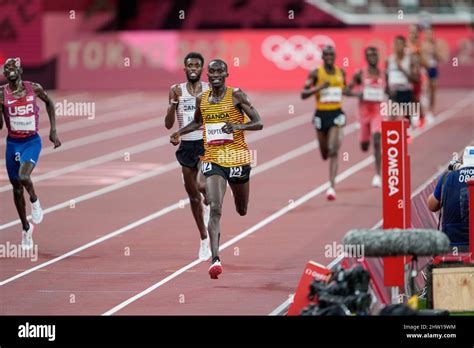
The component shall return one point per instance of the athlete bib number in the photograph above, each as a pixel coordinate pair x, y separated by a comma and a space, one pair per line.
23, 123
375, 94
235, 172
330, 95
206, 166
215, 135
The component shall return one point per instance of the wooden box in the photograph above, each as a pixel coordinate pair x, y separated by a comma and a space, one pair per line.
453, 288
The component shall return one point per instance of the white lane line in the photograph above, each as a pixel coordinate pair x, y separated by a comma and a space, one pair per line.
117, 112
102, 136
311, 194
164, 140
108, 134
96, 241
272, 130
260, 169
342, 176
379, 223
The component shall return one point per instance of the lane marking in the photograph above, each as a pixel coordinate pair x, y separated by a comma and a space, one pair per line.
272, 130
315, 192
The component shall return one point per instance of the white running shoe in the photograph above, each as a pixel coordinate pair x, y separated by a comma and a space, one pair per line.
36, 212
206, 214
429, 118
415, 121
204, 250
27, 238
215, 270
331, 194
377, 181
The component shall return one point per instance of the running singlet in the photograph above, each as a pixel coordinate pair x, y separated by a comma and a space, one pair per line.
22, 114
329, 98
185, 111
373, 88
226, 150
397, 80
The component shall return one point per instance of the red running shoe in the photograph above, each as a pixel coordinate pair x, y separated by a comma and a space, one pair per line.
215, 269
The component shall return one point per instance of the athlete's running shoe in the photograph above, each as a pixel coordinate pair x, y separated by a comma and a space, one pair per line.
376, 181
331, 194
204, 250
215, 269
36, 212
206, 214
429, 118
27, 238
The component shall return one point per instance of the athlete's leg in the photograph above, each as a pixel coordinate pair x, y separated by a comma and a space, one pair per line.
191, 185
20, 205
241, 197
335, 136
201, 182
432, 86
323, 143
26, 168
215, 188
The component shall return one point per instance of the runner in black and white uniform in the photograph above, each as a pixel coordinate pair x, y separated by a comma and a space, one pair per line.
401, 73
182, 104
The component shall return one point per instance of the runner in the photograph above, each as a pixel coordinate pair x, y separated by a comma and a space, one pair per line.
227, 159
414, 50
21, 113
371, 95
431, 57
327, 83
182, 103
401, 71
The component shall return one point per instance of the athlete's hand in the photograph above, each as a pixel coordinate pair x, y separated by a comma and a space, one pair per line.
325, 85
174, 138
53, 137
229, 128
177, 92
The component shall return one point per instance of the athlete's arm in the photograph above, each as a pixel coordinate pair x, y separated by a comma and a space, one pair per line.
356, 80
242, 102
191, 126
387, 89
173, 98
41, 93
414, 75
309, 87
1, 108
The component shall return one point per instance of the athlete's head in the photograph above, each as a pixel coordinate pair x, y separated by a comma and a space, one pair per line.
372, 56
399, 44
328, 55
193, 64
413, 33
217, 72
12, 69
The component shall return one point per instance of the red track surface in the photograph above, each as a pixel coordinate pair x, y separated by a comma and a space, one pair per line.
260, 270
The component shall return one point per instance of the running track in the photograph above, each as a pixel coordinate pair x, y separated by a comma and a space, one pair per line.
119, 238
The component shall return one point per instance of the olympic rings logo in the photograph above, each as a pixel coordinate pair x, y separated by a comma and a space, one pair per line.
295, 52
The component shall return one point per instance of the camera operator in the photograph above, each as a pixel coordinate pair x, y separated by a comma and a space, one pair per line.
451, 198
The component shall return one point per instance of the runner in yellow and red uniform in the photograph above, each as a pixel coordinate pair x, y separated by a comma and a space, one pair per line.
327, 84
227, 159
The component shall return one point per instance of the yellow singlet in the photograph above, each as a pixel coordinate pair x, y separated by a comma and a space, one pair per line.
226, 150
329, 98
